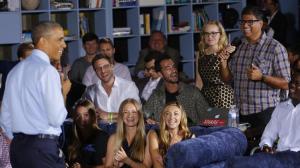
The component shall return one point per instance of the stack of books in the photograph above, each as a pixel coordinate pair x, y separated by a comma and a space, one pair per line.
121, 31
123, 3
177, 28
151, 2
148, 24
177, 1
200, 17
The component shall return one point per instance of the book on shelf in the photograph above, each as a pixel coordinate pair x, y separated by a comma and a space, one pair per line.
181, 27
200, 18
142, 24
151, 2
123, 3
147, 23
94, 3
179, 1
62, 5
157, 20
121, 31
170, 23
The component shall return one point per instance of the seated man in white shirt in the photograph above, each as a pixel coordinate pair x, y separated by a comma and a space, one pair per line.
108, 93
284, 127
284, 123
106, 47
147, 85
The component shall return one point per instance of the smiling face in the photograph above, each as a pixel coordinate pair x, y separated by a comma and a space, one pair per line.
107, 49
251, 27
169, 71
157, 42
53, 44
104, 70
91, 47
172, 117
130, 115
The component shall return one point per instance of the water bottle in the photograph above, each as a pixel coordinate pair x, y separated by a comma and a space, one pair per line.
233, 116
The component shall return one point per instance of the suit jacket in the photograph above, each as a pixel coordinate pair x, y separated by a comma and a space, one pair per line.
141, 83
279, 25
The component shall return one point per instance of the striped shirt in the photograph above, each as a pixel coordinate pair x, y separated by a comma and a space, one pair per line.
271, 58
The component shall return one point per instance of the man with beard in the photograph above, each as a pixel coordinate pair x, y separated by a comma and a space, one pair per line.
188, 96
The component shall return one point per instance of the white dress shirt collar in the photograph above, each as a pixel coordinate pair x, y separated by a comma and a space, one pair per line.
41, 54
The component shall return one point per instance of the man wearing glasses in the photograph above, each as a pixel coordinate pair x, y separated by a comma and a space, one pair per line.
106, 47
259, 69
108, 93
153, 78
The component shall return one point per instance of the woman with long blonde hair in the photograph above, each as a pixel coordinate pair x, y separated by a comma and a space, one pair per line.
213, 43
128, 146
88, 146
172, 129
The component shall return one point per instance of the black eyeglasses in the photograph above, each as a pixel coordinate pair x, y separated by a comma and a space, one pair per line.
213, 34
248, 22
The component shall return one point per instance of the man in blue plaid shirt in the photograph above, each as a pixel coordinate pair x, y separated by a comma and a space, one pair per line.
259, 69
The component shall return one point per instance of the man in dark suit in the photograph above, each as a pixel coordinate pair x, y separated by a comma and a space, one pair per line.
153, 78
277, 21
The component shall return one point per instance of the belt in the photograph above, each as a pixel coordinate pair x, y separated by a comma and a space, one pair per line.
38, 136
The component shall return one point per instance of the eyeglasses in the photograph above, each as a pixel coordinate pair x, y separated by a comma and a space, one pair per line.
103, 68
248, 22
213, 34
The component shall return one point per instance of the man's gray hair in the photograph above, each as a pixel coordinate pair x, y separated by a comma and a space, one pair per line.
43, 29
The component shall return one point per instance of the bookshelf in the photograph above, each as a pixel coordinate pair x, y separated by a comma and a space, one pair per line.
176, 18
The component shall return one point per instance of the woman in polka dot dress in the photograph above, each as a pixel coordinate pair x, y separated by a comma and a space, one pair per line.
213, 42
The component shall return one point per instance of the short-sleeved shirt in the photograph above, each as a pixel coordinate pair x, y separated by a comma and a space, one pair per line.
271, 58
